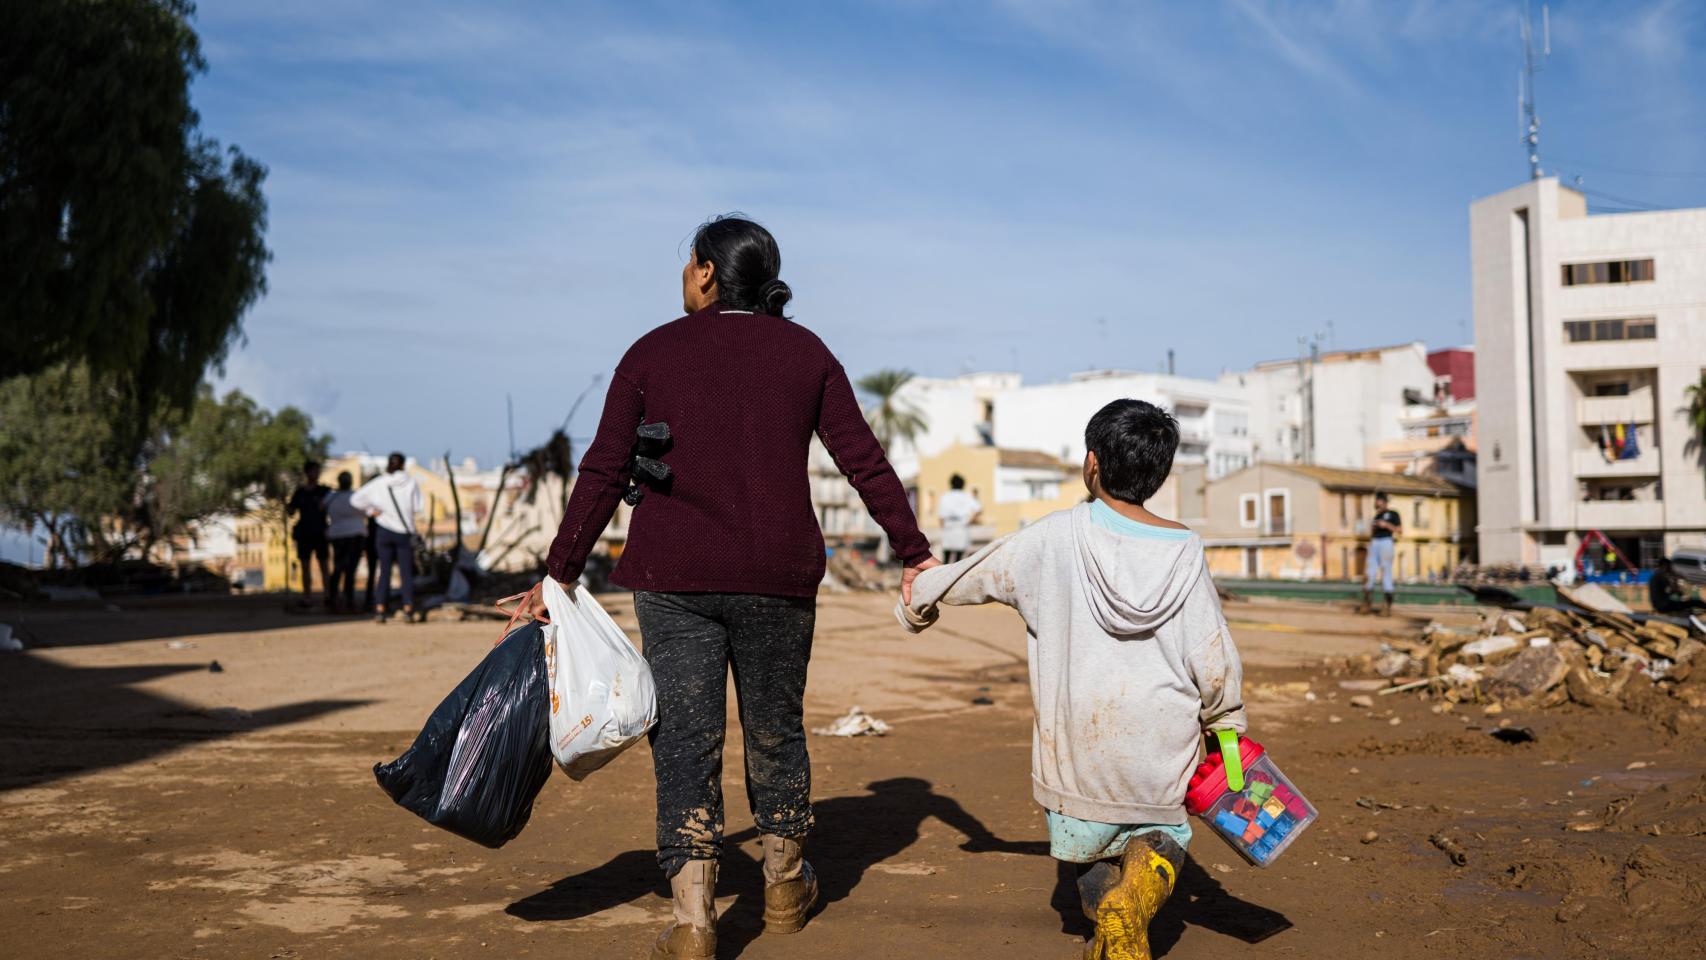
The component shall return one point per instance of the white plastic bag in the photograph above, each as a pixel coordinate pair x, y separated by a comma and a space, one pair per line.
602, 695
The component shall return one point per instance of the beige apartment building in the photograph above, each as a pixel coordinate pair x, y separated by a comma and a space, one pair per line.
1305, 522
1589, 330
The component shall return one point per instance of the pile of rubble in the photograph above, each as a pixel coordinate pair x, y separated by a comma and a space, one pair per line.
1547, 656
851, 570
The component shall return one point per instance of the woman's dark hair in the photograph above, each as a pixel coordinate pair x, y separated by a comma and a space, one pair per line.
748, 264
957, 482
345, 481
1134, 443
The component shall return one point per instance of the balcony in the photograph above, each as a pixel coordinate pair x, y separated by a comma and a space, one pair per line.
1620, 514
1592, 463
1637, 407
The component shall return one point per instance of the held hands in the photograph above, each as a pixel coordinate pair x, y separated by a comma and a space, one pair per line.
910, 574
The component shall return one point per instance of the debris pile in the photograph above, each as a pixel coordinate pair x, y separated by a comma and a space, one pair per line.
1547, 656
852, 571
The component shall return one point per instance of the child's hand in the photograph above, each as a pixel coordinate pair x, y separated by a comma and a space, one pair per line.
910, 574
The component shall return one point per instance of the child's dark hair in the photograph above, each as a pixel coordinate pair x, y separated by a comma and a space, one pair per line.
749, 264
1134, 443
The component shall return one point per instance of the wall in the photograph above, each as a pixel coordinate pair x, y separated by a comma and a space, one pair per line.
1358, 403
1051, 417
1458, 363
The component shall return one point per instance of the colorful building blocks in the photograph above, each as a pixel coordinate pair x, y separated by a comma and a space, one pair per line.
1260, 820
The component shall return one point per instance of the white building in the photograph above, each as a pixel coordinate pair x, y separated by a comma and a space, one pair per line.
1585, 325
955, 410
1358, 400
1214, 418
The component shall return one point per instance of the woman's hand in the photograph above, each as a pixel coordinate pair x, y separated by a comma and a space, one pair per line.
534, 605
910, 574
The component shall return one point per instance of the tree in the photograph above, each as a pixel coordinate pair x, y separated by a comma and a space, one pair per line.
59, 470
890, 416
131, 242
218, 459
1696, 414
66, 468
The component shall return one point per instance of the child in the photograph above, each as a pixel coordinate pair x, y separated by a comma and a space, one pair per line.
1131, 661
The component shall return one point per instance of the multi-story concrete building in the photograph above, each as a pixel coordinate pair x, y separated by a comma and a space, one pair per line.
1588, 332
1214, 417
1335, 409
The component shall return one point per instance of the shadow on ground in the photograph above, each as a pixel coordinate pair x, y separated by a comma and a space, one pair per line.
177, 617
60, 721
1198, 901
853, 833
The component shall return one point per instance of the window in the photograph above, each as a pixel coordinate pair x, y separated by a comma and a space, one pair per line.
1608, 271
1247, 510
1617, 328
1344, 510
1279, 514
1419, 512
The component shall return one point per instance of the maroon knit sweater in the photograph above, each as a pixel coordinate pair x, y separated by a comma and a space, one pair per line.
742, 394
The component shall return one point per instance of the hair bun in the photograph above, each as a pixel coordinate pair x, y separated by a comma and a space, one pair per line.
774, 295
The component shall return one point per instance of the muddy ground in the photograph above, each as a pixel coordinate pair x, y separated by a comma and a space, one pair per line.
151, 807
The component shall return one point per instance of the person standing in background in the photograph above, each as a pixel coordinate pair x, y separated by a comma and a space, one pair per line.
308, 505
1382, 551
393, 499
370, 554
347, 529
957, 510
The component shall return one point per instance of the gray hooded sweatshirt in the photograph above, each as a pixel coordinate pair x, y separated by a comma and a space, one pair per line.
1131, 659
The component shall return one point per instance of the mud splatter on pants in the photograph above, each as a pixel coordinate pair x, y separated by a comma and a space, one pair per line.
691, 641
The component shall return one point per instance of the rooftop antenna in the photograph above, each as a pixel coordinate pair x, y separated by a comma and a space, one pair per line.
1528, 121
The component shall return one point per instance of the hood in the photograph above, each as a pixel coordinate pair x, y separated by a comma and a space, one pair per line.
399, 479
1134, 584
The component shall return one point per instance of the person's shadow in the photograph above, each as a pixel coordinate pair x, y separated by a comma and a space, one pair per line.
852, 834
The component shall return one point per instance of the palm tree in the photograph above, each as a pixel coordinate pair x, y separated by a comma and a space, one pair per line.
891, 417
1696, 414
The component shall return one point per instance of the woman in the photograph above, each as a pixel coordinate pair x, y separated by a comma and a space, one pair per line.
346, 527
393, 500
725, 557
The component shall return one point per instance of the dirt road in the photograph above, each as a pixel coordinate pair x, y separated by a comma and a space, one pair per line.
150, 807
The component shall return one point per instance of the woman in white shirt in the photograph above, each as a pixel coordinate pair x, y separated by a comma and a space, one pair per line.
393, 499
957, 510
346, 528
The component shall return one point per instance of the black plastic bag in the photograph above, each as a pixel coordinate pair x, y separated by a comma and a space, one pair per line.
485, 752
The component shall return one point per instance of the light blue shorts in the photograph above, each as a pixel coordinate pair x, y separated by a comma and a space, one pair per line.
1086, 841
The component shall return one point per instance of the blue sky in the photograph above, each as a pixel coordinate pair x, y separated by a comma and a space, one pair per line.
469, 200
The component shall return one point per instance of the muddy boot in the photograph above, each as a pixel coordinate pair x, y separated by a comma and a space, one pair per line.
790, 885
1094, 882
1367, 604
1148, 872
1386, 611
693, 935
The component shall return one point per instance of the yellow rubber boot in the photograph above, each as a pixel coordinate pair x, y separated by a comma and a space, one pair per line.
1146, 881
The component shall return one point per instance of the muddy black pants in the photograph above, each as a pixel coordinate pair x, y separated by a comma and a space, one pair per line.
691, 641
